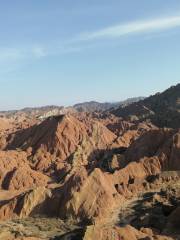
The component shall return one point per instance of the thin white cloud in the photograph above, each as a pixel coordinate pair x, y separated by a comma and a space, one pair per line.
20, 55
13, 58
143, 26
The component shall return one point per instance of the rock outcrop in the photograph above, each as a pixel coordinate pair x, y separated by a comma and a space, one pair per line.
161, 143
89, 197
16, 173
34, 201
51, 144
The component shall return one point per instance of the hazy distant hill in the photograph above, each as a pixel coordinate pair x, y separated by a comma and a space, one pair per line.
162, 108
34, 111
42, 109
97, 106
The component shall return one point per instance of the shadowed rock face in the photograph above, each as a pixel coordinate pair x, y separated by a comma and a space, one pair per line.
163, 108
162, 143
93, 172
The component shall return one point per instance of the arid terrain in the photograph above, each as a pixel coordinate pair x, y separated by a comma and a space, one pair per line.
92, 171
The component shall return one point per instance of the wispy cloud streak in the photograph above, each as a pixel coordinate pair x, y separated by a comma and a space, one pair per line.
143, 26
18, 55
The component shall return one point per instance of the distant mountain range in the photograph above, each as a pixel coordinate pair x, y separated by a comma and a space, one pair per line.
81, 107
163, 109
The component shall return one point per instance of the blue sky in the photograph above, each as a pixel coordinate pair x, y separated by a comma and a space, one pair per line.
68, 51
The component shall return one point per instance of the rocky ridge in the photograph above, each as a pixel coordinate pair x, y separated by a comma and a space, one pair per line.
88, 175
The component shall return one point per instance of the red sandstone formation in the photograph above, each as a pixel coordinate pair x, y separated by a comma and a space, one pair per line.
86, 166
